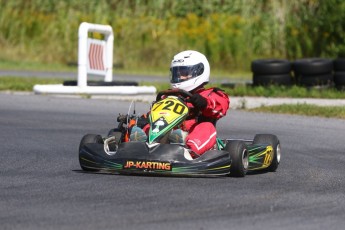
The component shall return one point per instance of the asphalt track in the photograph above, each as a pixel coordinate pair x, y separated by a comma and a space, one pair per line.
42, 186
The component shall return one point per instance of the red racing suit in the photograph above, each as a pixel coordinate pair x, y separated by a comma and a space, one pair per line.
201, 126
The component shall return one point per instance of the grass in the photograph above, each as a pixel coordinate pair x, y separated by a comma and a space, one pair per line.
117, 69
148, 33
304, 109
285, 91
34, 66
24, 84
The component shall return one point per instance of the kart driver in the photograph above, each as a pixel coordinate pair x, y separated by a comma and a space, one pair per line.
190, 71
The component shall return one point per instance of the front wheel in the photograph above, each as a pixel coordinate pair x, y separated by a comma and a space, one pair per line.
274, 142
239, 158
89, 139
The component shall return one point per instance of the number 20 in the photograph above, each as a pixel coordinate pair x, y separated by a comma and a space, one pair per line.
177, 107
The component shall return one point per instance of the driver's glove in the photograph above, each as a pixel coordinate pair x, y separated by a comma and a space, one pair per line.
198, 101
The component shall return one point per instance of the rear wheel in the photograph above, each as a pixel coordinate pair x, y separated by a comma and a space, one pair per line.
89, 139
239, 158
274, 142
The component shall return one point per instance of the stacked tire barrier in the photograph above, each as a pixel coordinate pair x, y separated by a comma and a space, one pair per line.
271, 72
307, 72
313, 72
339, 73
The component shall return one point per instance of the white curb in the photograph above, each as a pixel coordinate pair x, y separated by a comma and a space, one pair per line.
94, 90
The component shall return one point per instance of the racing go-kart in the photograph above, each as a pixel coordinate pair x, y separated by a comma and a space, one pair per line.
157, 156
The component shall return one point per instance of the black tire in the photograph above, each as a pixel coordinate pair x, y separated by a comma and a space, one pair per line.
314, 80
239, 158
103, 83
339, 65
89, 139
282, 79
271, 66
312, 66
274, 142
339, 78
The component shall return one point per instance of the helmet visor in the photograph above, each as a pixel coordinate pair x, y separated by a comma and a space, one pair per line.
184, 73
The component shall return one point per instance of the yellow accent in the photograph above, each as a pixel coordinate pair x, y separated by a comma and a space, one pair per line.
88, 160
167, 109
257, 168
269, 156
223, 167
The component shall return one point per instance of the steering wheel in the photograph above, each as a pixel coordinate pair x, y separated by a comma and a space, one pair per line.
183, 94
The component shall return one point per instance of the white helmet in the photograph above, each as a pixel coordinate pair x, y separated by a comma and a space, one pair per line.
189, 69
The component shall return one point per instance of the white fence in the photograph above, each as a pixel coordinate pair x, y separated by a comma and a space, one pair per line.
95, 56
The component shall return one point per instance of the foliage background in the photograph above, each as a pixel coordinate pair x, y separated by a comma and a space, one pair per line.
148, 33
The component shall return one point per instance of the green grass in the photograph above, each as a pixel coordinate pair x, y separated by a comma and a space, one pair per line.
304, 109
285, 91
163, 72
34, 66
24, 84
148, 33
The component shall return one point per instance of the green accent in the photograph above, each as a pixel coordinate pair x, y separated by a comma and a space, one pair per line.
220, 144
256, 154
109, 165
191, 169
154, 136
113, 165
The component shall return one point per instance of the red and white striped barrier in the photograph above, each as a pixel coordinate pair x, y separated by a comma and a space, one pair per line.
95, 56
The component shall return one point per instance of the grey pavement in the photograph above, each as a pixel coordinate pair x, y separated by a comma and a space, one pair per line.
43, 187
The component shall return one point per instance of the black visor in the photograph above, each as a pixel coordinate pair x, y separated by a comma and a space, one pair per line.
184, 73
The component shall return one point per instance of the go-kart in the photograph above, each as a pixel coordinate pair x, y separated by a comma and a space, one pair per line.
156, 155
